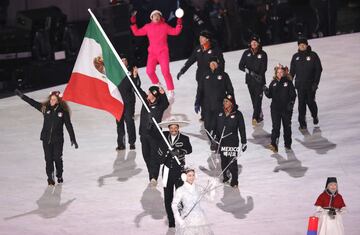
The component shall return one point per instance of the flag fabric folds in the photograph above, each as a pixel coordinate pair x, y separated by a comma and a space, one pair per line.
96, 74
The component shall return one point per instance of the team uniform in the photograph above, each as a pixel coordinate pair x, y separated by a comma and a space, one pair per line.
255, 66
128, 94
306, 68
148, 131
283, 95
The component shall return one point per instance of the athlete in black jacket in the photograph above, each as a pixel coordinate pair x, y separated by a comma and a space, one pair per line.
229, 123
128, 95
202, 55
254, 63
212, 88
172, 170
56, 114
306, 68
157, 102
282, 92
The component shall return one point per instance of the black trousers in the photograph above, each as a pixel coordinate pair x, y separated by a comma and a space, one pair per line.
53, 154
256, 94
233, 168
174, 180
149, 147
277, 117
306, 97
128, 118
210, 118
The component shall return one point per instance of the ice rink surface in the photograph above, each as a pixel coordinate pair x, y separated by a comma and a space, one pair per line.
106, 192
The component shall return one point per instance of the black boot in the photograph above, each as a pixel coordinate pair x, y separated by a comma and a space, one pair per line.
60, 180
51, 182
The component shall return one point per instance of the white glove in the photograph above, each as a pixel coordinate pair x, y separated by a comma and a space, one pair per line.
213, 183
247, 70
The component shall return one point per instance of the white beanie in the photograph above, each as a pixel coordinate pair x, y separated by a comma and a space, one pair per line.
155, 12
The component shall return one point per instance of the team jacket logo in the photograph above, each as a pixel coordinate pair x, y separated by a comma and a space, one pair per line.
48, 112
207, 77
259, 56
308, 58
285, 84
210, 51
198, 50
60, 114
229, 151
249, 54
297, 58
220, 114
274, 84
219, 77
232, 116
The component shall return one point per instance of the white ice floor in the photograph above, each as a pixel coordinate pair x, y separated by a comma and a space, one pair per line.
106, 192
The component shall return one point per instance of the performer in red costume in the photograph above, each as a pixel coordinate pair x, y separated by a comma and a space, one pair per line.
158, 52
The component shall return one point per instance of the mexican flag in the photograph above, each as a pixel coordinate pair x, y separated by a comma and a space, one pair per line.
97, 73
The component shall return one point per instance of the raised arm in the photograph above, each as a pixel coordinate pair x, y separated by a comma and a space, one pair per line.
175, 31
28, 100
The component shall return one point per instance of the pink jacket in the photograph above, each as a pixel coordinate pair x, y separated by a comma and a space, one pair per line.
157, 34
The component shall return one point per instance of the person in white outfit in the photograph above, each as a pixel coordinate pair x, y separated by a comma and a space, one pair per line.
330, 206
190, 217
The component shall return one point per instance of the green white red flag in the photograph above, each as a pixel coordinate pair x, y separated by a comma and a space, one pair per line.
96, 74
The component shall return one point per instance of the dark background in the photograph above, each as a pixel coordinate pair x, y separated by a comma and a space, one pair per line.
34, 32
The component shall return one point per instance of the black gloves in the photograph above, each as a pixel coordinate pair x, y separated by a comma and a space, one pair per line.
243, 147
19, 93
214, 146
332, 213
180, 74
197, 108
266, 90
73, 142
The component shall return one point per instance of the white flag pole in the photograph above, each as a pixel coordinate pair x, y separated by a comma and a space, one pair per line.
132, 83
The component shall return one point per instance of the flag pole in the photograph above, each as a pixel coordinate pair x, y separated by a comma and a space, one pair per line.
131, 81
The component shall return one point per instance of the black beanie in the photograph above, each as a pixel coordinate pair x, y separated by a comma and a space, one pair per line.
207, 34
255, 38
154, 91
230, 97
302, 40
330, 180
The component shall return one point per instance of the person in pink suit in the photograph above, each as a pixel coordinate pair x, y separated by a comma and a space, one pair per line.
158, 52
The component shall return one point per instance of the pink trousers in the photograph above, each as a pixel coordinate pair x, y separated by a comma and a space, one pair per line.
162, 58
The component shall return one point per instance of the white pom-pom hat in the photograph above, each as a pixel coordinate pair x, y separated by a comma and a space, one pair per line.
155, 12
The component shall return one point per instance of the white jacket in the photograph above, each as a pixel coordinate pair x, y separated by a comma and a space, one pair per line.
195, 222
